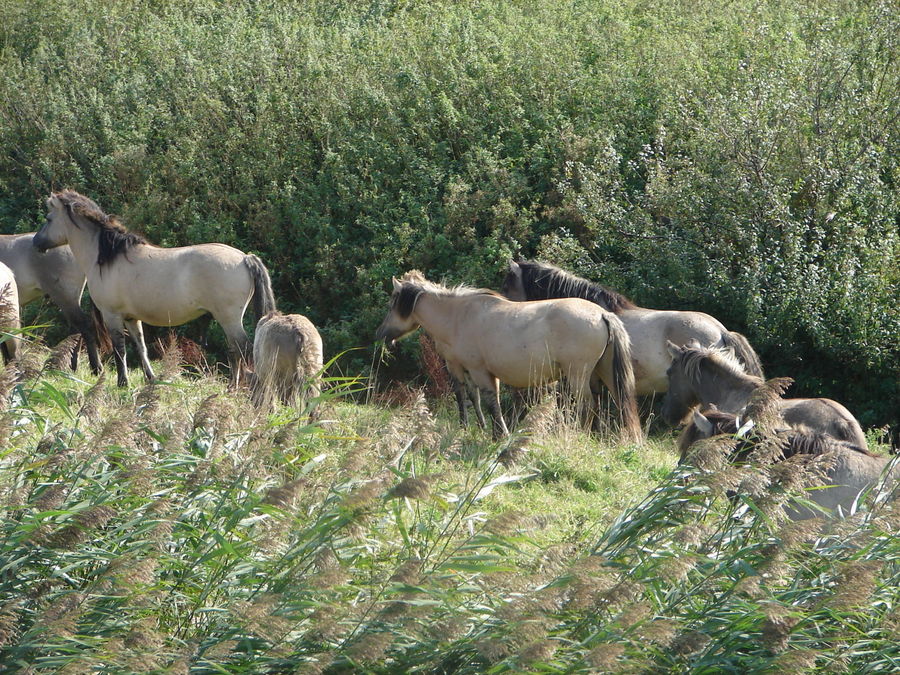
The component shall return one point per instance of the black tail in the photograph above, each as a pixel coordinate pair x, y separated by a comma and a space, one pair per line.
623, 378
263, 296
104, 341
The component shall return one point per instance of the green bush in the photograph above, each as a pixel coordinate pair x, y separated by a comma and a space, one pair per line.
737, 159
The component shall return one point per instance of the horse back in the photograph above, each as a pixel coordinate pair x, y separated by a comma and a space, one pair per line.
825, 415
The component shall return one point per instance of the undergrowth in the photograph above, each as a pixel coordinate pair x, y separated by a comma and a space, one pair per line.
169, 530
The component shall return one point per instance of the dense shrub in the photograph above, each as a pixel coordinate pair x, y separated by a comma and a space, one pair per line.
739, 159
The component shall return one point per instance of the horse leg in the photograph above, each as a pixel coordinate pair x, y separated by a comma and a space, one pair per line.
490, 386
117, 336
137, 335
239, 349
586, 401
71, 309
458, 380
475, 396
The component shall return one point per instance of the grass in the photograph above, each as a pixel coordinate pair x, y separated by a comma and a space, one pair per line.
172, 529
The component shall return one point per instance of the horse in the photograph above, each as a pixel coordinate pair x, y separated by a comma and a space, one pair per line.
9, 314
55, 275
649, 329
708, 376
851, 469
132, 281
489, 339
287, 357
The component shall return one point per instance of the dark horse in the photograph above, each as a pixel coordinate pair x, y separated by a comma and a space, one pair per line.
649, 329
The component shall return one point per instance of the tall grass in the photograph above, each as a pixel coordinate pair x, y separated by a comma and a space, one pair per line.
165, 530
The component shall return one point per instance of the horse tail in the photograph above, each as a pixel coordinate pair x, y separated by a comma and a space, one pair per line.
623, 377
104, 341
742, 349
263, 296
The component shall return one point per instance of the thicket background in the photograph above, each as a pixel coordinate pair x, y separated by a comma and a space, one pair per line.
739, 158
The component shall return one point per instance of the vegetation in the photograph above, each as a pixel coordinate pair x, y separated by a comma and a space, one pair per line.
165, 530
740, 159
737, 158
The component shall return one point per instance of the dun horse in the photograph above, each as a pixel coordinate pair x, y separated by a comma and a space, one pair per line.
713, 377
9, 314
287, 357
489, 339
851, 469
132, 281
649, 329
55, 275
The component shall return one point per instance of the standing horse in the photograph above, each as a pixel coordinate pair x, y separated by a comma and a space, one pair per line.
287, 357
132, 281
649, 329
489, 339
851, 469
56, 275
713, 377
9, 314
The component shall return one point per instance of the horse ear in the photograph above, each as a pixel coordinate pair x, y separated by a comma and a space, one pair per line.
704, 426
397, 284
674, 350
514, 267
693, 343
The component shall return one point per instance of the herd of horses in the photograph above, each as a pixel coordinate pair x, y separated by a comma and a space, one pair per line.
545, 326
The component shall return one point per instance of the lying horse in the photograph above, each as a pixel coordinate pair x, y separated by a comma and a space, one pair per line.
852, 470
287, 357
713, 377
9, 314
649, 329
55, 275
132, 281
489, 339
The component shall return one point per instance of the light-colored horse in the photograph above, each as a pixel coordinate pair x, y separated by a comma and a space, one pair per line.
287, 358
713, 377
9, 314
489, 339
56, 275
132, 281
649, 329
852, 470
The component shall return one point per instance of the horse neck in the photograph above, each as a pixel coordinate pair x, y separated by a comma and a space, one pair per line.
726, 390
84, 241
438, 315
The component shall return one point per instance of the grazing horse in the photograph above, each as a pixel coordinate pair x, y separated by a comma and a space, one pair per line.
488, 339
132, 281
56, 275
713, 377
852, 469
649, 329
9, 314
287, 357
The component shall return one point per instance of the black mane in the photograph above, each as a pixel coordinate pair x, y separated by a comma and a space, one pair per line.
405, 299
114, 239
543, 281
114, 242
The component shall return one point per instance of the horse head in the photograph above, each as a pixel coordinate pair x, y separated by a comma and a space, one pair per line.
399, 322
513, 285
53, 232
681, 396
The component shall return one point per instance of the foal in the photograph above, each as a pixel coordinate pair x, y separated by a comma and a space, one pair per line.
713, 377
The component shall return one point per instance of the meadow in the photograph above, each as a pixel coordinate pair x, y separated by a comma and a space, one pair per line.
172, 529
737, 158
